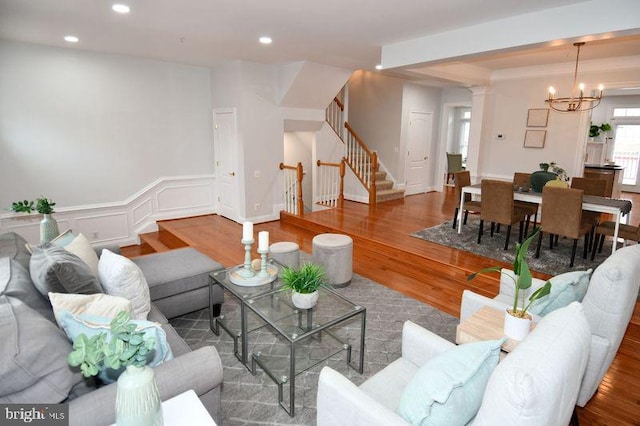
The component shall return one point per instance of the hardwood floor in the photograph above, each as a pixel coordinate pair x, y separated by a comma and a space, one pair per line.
434, 274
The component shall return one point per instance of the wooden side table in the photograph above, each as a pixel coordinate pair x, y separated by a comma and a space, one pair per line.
486, 324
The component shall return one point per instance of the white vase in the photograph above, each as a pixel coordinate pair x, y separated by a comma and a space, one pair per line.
304, 300
48, 228
137, 398
515, 327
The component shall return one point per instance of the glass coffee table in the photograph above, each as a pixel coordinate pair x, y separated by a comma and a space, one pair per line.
285, 341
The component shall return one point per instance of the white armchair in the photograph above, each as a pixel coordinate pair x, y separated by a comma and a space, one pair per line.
536, 384
608, 306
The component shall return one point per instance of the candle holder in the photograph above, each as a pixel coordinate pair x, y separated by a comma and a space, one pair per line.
247, 271
263, 264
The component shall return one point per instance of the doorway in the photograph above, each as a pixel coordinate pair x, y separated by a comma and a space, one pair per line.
225, 147
626, 146
419, 145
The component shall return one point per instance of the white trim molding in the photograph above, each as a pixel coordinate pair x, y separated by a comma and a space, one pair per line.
120, 222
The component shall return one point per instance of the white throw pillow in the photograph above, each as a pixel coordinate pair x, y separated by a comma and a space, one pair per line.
121, 277
81, 247
98, 304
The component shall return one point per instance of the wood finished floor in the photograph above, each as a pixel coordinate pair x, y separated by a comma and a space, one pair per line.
434, 274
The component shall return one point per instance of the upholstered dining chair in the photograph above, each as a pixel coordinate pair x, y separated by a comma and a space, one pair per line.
454, 164
462, 179
626, 232
562, 216
523, 181
590, 186
498, 208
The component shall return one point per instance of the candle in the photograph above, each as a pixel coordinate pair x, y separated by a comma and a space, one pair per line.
263, 240
247, 231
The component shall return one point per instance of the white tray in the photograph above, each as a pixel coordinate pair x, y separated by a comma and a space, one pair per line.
254, 281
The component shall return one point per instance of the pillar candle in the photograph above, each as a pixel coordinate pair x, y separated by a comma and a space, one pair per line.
247, 231
263, 240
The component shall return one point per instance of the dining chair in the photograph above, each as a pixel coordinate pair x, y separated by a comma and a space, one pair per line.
591, 186
462, 179
454, 164
626, 232
498, 208
562, 215
522, 181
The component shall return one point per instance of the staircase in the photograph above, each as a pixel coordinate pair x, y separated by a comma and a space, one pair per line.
385, 190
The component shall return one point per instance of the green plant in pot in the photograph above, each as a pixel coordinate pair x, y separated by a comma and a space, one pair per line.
595, 131
519, 328
48, 225
304, 283
138, 398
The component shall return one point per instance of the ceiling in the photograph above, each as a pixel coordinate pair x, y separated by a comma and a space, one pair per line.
342, 33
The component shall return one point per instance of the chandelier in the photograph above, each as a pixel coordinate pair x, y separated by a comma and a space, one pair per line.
575, 103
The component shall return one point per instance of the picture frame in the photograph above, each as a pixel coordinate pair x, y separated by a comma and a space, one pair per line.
534, 138
538, 117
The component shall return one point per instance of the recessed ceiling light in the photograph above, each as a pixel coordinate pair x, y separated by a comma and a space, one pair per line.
378, 67
71, 39
121, 8
265, 40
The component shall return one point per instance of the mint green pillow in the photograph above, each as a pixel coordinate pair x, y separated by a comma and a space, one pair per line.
565, 288
90, 325
448, 389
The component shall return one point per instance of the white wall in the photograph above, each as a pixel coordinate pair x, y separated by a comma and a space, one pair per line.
87, 128
424, 99
298, 147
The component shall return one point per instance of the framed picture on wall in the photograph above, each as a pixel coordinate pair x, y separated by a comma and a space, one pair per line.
537, 118
534, 138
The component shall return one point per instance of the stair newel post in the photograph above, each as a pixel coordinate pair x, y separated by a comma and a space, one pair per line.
372, 178
341, 194
300, 201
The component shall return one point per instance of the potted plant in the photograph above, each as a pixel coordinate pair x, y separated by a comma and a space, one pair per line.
304, 284
517, 320
595, 131
25, 206
137, 397
48, 225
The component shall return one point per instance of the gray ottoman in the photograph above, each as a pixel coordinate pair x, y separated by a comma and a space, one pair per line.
335, 253
286, 253
179, 281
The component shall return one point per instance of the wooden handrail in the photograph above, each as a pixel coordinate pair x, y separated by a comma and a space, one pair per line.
358, 138
340, 104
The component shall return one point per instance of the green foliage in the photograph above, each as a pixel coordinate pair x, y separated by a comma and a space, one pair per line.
594, 131
45, 205
25, 206
126, 347
522, 279
307, 279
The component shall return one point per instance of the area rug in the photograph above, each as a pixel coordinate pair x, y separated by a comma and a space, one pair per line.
552, 262
252, 400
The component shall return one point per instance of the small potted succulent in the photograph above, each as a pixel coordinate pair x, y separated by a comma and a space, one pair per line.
517, 321
304, 284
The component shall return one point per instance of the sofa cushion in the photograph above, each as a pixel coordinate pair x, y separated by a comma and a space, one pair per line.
90, 325
14, 246
33, 357
53, 269
537, 383
99, 304
121, 277
81, 247
565, 288
15, 282
448, 389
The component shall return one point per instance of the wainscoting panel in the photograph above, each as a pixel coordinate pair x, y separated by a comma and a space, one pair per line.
120, 222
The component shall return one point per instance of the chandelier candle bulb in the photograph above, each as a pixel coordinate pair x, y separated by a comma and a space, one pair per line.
247, 231
263, 240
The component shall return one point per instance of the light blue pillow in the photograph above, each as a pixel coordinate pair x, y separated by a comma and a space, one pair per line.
90, 325
448, 389
565, 288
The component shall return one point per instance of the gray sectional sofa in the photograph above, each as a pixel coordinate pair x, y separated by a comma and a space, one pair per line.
33, 365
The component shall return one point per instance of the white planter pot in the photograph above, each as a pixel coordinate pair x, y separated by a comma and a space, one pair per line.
304, 300
515, 327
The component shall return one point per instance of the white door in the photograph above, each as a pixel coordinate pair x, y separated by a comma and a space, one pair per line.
626, 152
224, 121
419, 145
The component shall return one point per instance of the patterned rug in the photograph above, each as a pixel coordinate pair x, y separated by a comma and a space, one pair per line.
552, 262
252, 400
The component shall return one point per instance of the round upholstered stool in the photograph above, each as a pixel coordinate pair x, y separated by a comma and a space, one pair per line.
286, 252
335, 253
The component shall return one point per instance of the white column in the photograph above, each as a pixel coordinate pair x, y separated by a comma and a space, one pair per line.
479, 106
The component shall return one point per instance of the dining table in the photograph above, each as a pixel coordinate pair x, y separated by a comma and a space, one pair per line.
616, 207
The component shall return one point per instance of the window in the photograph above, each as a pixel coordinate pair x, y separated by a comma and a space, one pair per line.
626, 112
464, 125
